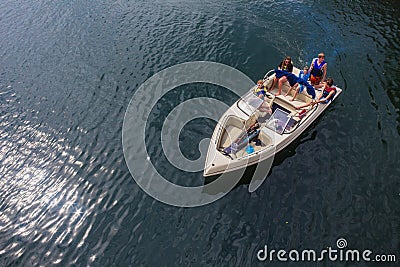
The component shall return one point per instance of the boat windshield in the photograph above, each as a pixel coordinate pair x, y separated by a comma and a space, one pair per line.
278, 121
249, 103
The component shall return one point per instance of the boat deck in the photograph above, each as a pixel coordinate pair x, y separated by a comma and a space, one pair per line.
235, 126
276, 131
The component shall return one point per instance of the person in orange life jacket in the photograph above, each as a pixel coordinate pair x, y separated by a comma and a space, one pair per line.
286, 65
326, 96
318, 70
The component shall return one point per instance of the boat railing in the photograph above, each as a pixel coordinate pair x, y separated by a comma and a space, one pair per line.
268, 74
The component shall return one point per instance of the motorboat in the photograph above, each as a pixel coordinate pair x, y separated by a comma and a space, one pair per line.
254, 129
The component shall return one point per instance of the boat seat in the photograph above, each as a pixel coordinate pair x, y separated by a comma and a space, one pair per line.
302, 97
234, 133
284, 102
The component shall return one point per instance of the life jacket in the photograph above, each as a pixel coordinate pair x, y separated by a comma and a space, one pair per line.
263, 89
326, 92
286, 67
317, 69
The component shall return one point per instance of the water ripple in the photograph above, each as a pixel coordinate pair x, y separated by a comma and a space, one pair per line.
68, 70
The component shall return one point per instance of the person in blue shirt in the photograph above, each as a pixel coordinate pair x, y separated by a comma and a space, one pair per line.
299, 87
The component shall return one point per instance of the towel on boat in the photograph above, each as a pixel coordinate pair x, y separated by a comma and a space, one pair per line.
293, 79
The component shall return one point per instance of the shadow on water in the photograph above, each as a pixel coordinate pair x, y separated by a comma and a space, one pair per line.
279, 158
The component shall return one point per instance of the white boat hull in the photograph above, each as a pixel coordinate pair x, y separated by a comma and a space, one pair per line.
228, 127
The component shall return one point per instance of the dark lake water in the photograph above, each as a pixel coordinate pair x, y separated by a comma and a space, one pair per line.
68, 70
